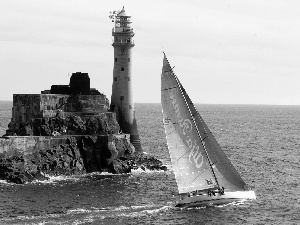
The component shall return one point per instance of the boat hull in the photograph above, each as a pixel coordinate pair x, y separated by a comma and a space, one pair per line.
206, 200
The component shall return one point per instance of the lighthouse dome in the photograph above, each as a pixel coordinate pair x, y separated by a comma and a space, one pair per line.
122, 13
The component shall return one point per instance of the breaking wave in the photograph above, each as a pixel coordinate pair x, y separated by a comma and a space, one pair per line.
5, 182
120, 211
81, 215
145, 170
52, 179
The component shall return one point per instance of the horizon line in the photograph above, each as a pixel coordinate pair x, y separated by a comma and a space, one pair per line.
201, 103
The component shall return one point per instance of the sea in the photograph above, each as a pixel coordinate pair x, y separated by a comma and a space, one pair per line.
261, 141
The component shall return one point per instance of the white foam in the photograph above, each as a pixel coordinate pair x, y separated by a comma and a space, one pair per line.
90, 215
141, 208
54, 179
4, 182
32, 217
140, 170
79, 211
139, 213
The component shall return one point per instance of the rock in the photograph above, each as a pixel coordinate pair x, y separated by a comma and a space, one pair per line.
92, 143
75, 124
92, 126
13, 170
102, 124
120, 166
148, 162
44, 130
90, 149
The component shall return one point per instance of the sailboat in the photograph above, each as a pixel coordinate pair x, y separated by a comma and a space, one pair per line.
203, 173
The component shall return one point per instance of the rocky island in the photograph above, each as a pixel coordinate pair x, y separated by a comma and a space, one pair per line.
66, 130
72, 129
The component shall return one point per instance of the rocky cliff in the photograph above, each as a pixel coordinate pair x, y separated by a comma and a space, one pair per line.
74, 145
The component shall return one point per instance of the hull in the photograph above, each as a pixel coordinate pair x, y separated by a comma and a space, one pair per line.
205, 200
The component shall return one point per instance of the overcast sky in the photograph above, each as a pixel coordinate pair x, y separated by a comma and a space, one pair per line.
227, 52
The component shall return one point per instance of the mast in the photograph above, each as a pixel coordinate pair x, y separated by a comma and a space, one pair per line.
194, 122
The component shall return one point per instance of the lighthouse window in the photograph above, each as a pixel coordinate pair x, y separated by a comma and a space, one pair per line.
128, 78
116, 59
115, 79
128, 59
122, 69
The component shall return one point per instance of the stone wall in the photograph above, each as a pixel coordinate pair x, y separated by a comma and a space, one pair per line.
87, 104
27, 107
20, 145
51, 103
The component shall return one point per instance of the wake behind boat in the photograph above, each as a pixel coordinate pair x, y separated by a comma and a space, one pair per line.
203, 173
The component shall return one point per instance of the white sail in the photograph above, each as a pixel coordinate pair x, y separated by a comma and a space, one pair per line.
191, 165
198, 161
225, 172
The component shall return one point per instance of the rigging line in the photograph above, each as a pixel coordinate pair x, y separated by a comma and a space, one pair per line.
168, 88
203, 139
166, 71
170, 70
170, 132
214, 163
199, 174
193, 115
180, 157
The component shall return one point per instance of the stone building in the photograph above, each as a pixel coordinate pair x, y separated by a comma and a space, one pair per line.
72, 99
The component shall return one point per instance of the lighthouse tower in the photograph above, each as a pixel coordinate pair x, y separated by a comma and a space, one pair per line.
122, 98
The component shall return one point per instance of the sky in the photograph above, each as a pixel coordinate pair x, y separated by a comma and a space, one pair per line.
224, 52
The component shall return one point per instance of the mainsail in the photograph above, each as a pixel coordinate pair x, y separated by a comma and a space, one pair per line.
198, 161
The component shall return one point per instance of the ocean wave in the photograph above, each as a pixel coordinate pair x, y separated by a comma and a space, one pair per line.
145, 170
101, 174
109, 209
30, 219
82, 215
122, 211
5, 182
52, 179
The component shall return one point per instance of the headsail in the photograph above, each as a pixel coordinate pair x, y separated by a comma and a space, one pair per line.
226, 174
188, 155
198, 161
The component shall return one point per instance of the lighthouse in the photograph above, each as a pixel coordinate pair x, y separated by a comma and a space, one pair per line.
122, 97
